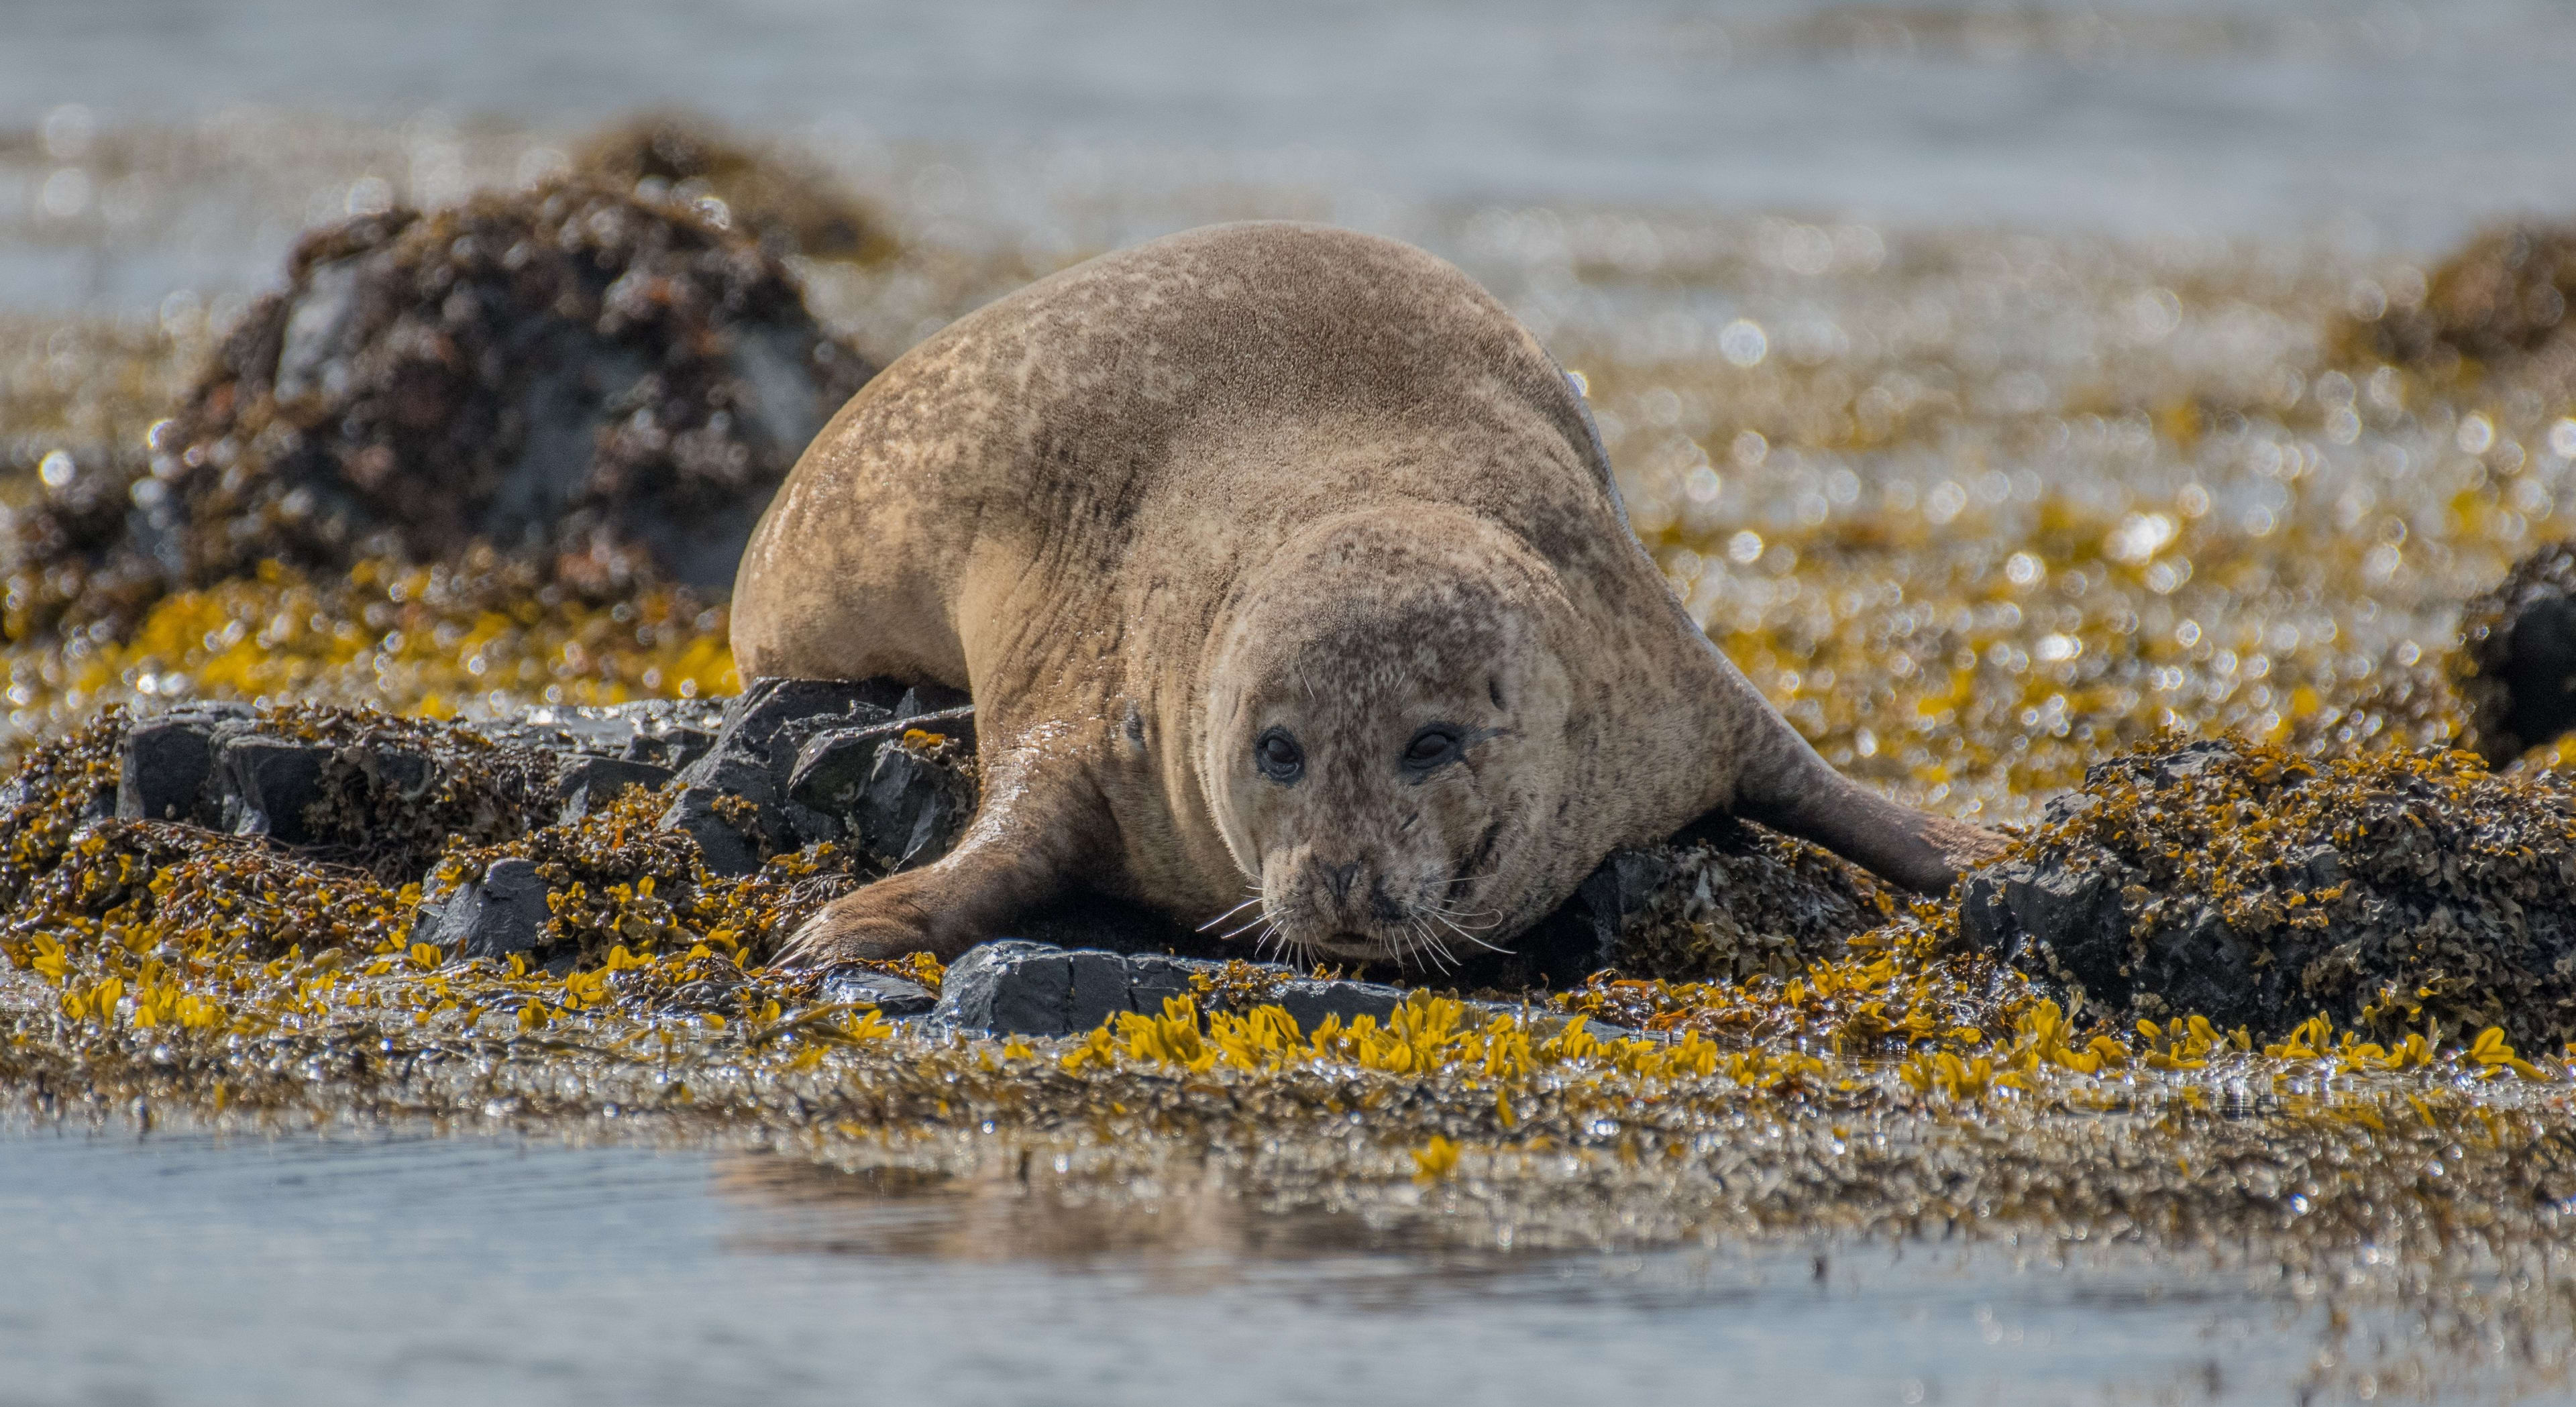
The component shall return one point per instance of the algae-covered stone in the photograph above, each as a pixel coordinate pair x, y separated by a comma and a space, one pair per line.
604, 384
594, 780
1726, 901
2244, 883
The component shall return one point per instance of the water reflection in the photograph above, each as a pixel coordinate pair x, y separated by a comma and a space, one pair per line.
453, 1269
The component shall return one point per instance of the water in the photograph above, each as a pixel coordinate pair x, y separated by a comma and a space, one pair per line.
2381, 125
192, 1269
2159, 114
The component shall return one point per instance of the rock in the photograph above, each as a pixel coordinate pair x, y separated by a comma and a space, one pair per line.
1311, 999
761, 711
1722, 901
594, 781
2394, 893
913, 809
502, 913
892, 996
723, 847
166, 762
832, 769
2502, 298
601, 384
790, 204
1582, 936
2047, 919
1011, 987
2517, 663
162, 768
267, 784
666, 733
928, 700
754, 756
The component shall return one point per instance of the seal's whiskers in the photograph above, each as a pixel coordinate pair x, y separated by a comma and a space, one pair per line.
1239, 908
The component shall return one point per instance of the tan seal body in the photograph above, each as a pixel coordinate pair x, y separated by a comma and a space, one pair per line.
1290, 581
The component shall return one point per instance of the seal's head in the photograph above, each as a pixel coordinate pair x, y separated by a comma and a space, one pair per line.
1385, 738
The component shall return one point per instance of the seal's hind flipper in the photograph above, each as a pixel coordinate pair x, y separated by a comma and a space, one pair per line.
1807, 798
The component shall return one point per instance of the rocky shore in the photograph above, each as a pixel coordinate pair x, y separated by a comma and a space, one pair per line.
571, 395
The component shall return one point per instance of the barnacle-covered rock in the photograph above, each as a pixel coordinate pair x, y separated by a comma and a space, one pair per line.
594, 781
2516, 666
2503, 296
601, 383
1730, 900
788, 204
2254, 887
356, 786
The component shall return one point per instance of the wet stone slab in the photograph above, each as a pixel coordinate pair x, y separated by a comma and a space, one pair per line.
1019, 988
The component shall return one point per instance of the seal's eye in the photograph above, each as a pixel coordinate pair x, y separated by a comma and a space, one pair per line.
1430, 748
1279, 757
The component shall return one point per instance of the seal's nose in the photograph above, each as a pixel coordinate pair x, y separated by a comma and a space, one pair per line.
1340, 878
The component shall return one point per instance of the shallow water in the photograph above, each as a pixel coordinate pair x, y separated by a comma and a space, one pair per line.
200, 1269
2383, 126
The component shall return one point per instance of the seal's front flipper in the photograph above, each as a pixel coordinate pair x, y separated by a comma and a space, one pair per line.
1029, 840
1809, 799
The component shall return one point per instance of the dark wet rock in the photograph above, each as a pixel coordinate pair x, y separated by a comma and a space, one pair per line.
1016, 987
906, 805
915, 805
1312, 999
2516, 669
354, 787
595, 780
755, 751
1035, 989
2391, 892
266, 783
726, 845
1582, 936
2066, 923
503, 912
604, 385
164, 766
832, 769
890, 995
1011, 986
769, 707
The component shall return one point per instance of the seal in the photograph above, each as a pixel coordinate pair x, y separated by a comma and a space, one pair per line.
1292, 586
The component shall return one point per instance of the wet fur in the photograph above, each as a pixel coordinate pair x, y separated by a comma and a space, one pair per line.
1155, 503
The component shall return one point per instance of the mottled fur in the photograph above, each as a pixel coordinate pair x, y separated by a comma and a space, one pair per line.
1256, 477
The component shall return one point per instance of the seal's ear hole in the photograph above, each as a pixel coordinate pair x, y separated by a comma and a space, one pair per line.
1434, 746
1494, 690
1276, 753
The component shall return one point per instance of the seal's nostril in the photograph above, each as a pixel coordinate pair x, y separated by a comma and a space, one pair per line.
1340, 878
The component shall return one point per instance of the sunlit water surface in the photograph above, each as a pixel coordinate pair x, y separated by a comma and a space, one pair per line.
201, 1270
